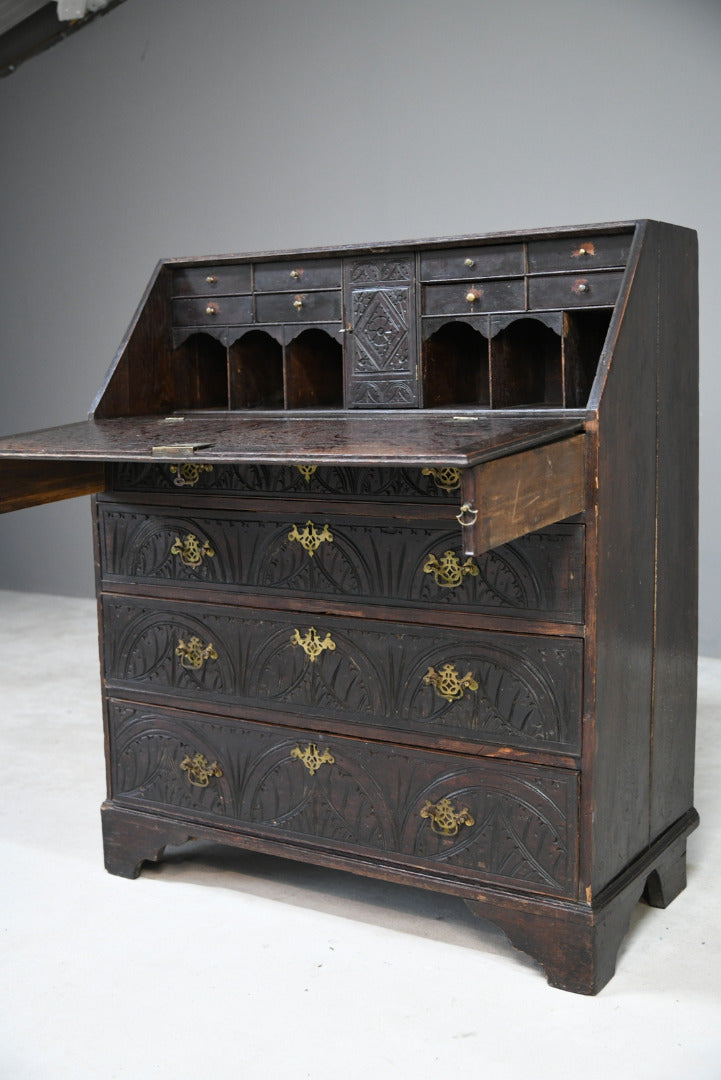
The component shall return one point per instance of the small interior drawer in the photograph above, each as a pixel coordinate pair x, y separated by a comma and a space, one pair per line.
298, 276
212, 280
572, 253
470, 298
465, 263
299, 307
598, 289
212, 311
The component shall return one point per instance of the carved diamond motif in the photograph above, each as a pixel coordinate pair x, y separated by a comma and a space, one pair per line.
381, 330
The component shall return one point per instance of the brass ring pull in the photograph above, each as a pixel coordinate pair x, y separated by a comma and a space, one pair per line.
312, 758
468, 515
199, 770
444, 819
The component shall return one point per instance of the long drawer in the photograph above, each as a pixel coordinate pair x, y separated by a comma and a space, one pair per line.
515, 690
332, 555
466, 817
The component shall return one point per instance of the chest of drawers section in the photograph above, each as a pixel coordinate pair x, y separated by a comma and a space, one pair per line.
342, 675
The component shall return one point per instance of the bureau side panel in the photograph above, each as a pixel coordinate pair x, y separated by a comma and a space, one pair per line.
674, 713
624, 565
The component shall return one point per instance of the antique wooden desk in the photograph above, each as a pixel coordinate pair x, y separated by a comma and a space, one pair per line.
396, 569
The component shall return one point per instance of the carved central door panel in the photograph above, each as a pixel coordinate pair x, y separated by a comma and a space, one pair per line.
380, 311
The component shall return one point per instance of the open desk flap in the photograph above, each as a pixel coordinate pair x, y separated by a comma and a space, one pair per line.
518, 472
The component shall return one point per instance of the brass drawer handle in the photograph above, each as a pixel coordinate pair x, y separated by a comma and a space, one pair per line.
467, 516
306, 471
448, 684
470, 263
298, 303
310, 538
444, 819
211, 309
447, 479
449, 571
190, 551
199, 770
193, 654
311, 643
187, 474
312, 758
472, 295
211, 279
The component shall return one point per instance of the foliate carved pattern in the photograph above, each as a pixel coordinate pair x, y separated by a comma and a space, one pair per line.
380, 331
385, 270
478, 821
382, 392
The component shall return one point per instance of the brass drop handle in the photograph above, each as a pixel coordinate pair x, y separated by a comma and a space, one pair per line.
190, 551
311, 643
448, 684
199, 770
449, 571
312, 758
444, 819
467, 516
193, 654
298, 303
472, 295
211, 279
447, 478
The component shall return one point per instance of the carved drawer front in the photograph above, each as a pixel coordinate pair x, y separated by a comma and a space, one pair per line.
212, 311
330, 481
212, 280
470, 298
294, 276
457, 816
300, 306
599, 289
465, 263
505, 689
592, 253
328, 555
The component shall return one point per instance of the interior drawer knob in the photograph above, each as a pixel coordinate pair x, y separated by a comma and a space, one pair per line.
473, 295
211, 309
312, 758
211, 279
444, 819
298, 303
198, 770
448, 684
296, 274
470, 263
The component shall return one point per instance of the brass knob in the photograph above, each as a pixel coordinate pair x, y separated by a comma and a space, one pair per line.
211, 309
583, 287
472, 296
581, 251
295, 274
212, 279
469, 263
297, 303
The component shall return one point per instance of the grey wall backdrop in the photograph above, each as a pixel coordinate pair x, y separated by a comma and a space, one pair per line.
178, 128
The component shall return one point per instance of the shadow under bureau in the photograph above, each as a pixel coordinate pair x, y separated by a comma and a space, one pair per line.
396, 569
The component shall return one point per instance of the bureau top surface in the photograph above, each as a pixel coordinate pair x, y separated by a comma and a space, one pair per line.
361, 438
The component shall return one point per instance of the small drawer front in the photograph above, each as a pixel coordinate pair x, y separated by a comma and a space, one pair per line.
599, 289
509, 689
290, 276
212, 311
298, 307
472, 298
462, 264
458, 816
212, 280
578, 254
539, 575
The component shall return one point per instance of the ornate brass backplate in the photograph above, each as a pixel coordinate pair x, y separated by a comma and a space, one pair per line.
448, 684
447, 479
306, 471
312, 758
449, 571
198, 770
190, 551
444, 819
188, 474
193, 654
311, 643
310, 538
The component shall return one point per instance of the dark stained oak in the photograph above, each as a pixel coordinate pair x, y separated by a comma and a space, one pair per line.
396, 559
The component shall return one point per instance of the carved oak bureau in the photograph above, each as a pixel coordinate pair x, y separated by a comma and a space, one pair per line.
396, 569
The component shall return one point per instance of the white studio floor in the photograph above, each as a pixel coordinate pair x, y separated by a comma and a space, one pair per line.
244, 966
